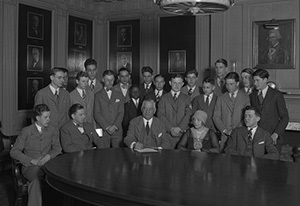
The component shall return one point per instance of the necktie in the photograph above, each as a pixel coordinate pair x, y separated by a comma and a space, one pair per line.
190, 92
260, 97
56, 94
250, 134
124, 86
147, 87
83, 94
232, 97
92, 85
136, 102
207, 100
175, 96
147, 128
157, 96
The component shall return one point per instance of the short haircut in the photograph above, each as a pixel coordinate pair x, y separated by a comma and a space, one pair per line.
147, 69
276, 32
248, 71
39, 109
123, 69
90, 61
108, 73
262, 73
82, 74
256, 110
174, 76
193, 71
74, 108
233, 75
58, 69
148, 100
223, 61
159, 75
133, 86
209, 80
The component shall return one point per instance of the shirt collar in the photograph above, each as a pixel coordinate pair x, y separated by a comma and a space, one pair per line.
39, 128
150, 121
53, 90
193, 88
264, 91
253, 130
172, 92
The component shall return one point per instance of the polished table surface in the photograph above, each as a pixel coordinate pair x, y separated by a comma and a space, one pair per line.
172, 177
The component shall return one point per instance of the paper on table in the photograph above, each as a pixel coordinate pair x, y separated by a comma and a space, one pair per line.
99, 132
146, 150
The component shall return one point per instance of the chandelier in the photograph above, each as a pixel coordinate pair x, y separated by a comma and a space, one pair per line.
194, 7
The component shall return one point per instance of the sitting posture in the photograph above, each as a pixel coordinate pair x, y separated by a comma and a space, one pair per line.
199, 137
77, 135
251, 140
147, 130
36, 145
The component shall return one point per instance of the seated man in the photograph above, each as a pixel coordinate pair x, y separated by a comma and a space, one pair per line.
36, 145
251, 140
77, 135
147, 130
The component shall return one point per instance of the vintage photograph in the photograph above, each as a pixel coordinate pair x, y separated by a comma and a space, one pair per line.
177, 61
80, 34
124, 36
274, 46
34, 84
124, 59
35, 26
34, 58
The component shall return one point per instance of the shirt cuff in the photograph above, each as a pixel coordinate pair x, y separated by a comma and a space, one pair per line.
132, 145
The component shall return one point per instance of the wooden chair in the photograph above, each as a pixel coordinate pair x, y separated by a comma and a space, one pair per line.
4, 151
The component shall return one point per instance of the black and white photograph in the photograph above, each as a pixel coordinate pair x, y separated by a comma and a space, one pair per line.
35, 25
34, 58
124, 36
34, 84
80, 34
177, 61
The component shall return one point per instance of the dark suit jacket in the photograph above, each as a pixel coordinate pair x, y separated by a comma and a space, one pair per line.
262, 144
58, 107
143, 91
151, 95
38, 66
131, 111
97, 87
219, 90
30, 144
108, 112
199, 104
195, 93
274, 114
157, 129
72, 140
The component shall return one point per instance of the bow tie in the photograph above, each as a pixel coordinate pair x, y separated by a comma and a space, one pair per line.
107, 89
124, 86
79, 125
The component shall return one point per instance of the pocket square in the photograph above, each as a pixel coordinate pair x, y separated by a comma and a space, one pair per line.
263, 142
117, 100
159, 135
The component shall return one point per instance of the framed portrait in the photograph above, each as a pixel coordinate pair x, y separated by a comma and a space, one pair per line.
80, 34
124, 59
124, 36
35, 58
79, 59
274, 46
34, 84
177, 61
35, 26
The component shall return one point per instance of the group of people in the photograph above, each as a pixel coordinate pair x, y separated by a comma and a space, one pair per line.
227, 113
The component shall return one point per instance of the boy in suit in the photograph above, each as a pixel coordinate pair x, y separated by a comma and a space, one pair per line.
251, 140
55, 97
77, 135
82, 95
270, 102
109, 111
191, 88
90, 66
132, 107
147, 86
174, 110
229, 107
206, 102
221, 66
36, 145
146, 130
124, 84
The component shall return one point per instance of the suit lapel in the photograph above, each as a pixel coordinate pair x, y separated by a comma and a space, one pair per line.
51, 96
228, 102
268, 96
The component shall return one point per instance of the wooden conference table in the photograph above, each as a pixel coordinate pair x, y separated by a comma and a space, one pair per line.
172, 177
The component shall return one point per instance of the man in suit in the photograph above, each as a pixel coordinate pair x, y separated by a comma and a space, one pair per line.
271, 104
147, 131
90, 66
174, 110
251, 140
191, 88
132, 107
55, 97
76, 134
124, 38
221, 66
109, 111
36, 145
85, 97
206, 102
124, 84
36, 61
125, 62
247, 80
35, 28
147, 86
229, 107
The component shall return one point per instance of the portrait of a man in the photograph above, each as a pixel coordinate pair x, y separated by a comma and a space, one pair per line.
274, 47
124, 59
124, 36
34, 58
177, 61
34, 84
80, 34
35, 23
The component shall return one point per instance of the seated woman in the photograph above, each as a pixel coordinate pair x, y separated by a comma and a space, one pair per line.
199, 137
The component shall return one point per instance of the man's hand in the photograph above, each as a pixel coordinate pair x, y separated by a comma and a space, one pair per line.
274, 137
35, 161
45, 159
111, 129
138, 145
176, 131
